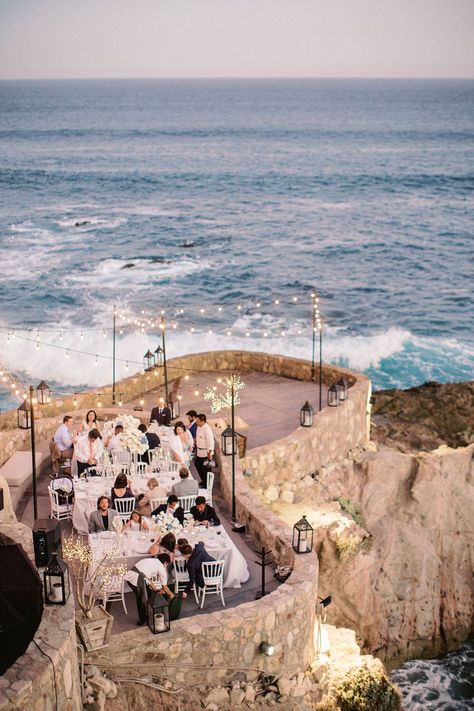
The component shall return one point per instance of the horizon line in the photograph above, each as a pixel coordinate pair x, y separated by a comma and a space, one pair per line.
245, 78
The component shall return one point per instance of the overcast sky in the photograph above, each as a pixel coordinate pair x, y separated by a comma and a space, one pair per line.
236, 38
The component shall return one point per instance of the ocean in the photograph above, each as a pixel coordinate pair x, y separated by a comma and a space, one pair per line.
223, 204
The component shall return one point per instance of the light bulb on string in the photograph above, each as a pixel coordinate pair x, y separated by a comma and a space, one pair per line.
37, 346
99, 400
265, 334
126, 365
247, 333
180, 397
120, 401
24, 396
60, 335
82, 336
219, 380
66, 355
142, 401
17, 392
186, 377
229, 333
219, 308
277, 301
295, 299
239, 307
210, 331
104, 334
196, 392
192, 329
74, 402
202, 311
121, 331
175, 325
96, 360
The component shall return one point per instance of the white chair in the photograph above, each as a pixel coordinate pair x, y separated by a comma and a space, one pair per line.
61, 512
114, 588
167, 467
186, 502
181, 577
213, 576
139, 468
121, 456
209, 486
124, 507
153, 454
154, 503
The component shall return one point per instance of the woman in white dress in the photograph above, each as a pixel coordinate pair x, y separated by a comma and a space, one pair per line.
90, 422
181, 444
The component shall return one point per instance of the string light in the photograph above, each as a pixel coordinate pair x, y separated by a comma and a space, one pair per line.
126, 365
196, 392
96, 362
142, 401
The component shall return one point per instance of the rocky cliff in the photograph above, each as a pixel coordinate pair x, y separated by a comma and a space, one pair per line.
404, 578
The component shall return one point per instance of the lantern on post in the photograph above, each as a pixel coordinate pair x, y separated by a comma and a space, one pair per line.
43, 393
148, 360
159, 357
342, 389
24, 415
158, 613
306, 415
303, 536
56, 581
226, 441
333, 396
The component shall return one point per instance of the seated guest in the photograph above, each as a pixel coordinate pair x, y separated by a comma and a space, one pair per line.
171, 507
90, 422
153, 442
115, 440
194, 560
155, 491
161, 414
204, 514
181, 444
101, 520
187, 484
88, 451
146, 569
167, 544
62, 444
136, 522
121, 489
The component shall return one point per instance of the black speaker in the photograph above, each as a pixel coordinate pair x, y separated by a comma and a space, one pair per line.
46, 539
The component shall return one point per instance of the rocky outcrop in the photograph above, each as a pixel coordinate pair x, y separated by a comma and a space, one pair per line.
424, 417
410, 592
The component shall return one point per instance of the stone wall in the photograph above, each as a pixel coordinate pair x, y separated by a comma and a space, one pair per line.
211, 648
31, 683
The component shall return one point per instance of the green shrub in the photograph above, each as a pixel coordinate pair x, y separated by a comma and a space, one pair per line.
366, 690
353, 510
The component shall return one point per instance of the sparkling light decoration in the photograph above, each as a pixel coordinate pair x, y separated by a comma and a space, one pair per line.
223, 400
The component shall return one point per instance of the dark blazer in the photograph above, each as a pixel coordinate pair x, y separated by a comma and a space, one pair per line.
163, 417
194, 566
153, 442
178, 512
209, 514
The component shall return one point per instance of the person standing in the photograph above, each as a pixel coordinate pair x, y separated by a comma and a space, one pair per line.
161, 414
204, 448
88, 451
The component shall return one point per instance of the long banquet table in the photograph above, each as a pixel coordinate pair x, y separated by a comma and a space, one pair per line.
86, 493
134, 546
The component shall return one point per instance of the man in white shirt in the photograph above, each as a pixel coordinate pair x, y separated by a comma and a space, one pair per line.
150, 568
204, 448
88, 451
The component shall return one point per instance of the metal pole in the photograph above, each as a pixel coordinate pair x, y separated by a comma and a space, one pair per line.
113, 362
163, 326
263, 571
233, 445
313, 304
320, 366
33, 455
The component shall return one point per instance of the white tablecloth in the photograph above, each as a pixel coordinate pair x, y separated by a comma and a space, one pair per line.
87, 493
134, 546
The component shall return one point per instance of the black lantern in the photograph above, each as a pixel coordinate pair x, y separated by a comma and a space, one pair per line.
158, 613
159, 357
174, 408
226, 441
56, 581
306, 415
333, 396
24, 415
303, 536
43, 393
342, 388
148, 360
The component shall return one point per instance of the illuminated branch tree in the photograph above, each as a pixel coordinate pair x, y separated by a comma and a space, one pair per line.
223, 400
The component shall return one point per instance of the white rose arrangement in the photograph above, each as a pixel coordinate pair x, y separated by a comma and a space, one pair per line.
132, 439
166, 523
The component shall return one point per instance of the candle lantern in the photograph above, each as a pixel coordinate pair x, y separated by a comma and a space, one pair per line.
333, 396
226, 441
158, 613
56, 581
24, 415
148, 360
43, 393
342, 388
159, 357
303, 536
306, 415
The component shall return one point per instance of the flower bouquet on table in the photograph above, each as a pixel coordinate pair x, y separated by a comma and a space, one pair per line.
164, 523
92, 577
132, 439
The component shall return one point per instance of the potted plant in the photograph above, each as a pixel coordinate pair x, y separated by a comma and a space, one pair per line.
91, 575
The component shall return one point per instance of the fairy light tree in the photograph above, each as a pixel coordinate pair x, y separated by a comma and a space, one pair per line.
226, 399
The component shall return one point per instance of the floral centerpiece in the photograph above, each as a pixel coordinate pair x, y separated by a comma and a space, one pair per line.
164, 523
132, 439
